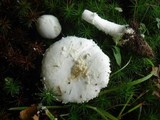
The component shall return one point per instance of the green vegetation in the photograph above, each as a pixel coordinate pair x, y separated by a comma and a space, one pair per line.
133, 92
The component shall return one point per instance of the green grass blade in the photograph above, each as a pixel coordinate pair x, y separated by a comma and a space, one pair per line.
117, 54
122, 67
138, 81
57, 107
105, 115
135, 82
17, 108
48, 107
109, 90
134, 108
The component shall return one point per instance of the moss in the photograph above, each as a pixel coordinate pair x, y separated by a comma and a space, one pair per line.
20, 61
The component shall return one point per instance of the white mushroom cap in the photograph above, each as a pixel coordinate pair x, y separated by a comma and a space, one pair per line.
48, 26
76, 69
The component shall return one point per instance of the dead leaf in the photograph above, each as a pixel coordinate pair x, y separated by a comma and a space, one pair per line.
136, 43
28, 113
35, 117
156, 71
156, 93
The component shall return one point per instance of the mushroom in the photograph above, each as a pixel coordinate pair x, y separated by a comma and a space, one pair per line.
111, 28
48, 26
75, 69
123, 35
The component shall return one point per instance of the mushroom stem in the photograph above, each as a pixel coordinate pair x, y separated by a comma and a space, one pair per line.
106, 26
123, 35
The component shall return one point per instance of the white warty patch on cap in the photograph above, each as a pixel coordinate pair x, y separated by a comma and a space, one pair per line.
75, 69
48, 26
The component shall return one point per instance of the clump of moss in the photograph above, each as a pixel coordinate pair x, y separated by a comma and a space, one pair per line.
22, 48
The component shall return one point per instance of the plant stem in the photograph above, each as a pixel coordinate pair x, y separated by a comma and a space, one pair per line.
48, 107
120, 114
49, 114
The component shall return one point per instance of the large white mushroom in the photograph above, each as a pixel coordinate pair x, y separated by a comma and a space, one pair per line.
75, 69
48, 26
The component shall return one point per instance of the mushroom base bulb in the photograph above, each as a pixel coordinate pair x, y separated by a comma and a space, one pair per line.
48, 26
75, 69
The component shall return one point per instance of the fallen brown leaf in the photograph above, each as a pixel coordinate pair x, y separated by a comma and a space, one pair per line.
156, 92
28, 113
35, 117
